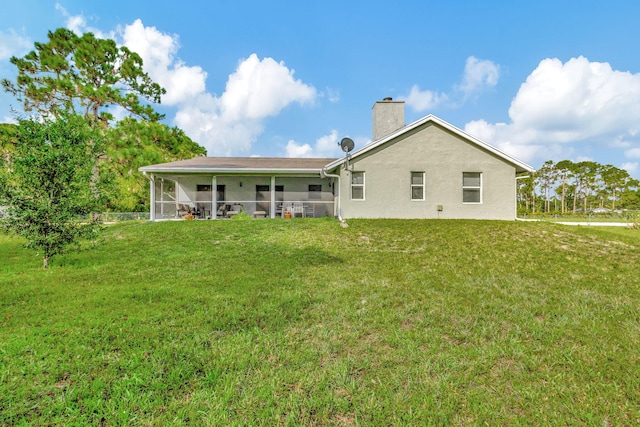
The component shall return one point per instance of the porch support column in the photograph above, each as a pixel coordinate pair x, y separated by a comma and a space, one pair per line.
214, 196
162, 197
273, 197
152, 193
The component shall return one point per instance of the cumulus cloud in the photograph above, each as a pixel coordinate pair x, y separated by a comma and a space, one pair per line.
631, 167
325, 146
260, 88
13, 44
293, 149
561, 104
158, 52
633, 153
227, 124
230, 123
421, 100
479, 74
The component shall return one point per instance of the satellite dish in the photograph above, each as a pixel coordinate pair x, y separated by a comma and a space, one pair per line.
346, 144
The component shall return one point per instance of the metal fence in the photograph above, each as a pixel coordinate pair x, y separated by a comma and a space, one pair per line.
124, 216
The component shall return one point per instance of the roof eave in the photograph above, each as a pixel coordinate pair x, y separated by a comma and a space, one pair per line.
519, 165
230, 171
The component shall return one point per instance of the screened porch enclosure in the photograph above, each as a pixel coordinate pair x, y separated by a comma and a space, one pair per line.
193, 197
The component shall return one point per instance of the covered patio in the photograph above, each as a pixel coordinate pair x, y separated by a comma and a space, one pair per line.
260, 187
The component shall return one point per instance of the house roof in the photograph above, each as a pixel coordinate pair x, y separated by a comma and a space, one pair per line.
279, 165
519, 165
298, 166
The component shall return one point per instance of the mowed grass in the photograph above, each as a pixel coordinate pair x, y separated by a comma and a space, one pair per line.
303, 322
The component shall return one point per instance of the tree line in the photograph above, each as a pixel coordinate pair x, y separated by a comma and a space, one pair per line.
577, 187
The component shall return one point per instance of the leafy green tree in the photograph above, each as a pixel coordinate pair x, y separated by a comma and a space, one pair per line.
132, 144
83, 75
615, 182
586, 183
583, 176
8, 138
564, 174
545, 179
48, 185
73, 74
630, 199
526, 193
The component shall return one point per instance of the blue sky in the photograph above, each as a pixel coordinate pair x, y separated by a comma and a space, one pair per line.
543, 80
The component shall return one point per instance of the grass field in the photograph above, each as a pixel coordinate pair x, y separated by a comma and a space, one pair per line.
302, 322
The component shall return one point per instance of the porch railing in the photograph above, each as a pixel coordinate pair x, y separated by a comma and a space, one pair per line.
229, 208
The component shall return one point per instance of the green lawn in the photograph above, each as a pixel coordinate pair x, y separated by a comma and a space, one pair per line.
303, 322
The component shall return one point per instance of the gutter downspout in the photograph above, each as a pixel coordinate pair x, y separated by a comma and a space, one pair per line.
324, 174
516, 207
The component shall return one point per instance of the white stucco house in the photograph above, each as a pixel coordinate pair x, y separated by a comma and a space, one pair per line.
426, 169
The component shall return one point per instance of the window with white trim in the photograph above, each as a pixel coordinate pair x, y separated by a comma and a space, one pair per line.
417, 185
471, 187
357, 185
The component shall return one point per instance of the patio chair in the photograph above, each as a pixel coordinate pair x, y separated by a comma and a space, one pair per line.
235, 210
182, 210
298, 208
222, 210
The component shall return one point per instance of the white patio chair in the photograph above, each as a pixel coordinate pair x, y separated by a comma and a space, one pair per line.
298, 208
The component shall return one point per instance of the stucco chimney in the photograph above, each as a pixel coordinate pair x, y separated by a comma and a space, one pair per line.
388, 116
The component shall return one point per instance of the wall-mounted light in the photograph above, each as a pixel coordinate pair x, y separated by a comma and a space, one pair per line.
240, 183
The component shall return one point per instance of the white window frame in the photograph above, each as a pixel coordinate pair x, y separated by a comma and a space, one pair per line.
472, 187
413, 186
357, 185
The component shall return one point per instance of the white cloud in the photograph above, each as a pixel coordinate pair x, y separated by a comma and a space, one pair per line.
78, 24
578, 100
13, 44
158, 53
478, 75
229, 124
325, 146
633, 153
631, 167
75, 23
204, 122
333, 95
562, 104
262, 88
421, 100
293, 149
9, 119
